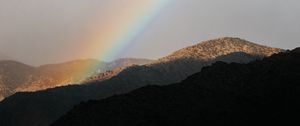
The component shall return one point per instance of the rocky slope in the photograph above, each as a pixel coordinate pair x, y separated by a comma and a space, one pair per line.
128, 62
120, 65
12, 75
189, 60
259, 93
211, 49
104, 76
170, 69
18, 77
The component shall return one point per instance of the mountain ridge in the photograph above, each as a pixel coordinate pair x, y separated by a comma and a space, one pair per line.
62, 99
260, 92
210, 49
16, 76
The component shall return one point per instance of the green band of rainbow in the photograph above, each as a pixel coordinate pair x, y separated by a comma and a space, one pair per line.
116, 35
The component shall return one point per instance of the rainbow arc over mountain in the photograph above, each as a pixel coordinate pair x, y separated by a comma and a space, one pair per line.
116, 35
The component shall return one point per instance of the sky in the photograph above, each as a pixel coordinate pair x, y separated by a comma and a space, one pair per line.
39, 32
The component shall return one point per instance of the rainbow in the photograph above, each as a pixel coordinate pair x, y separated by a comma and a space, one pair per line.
117, 34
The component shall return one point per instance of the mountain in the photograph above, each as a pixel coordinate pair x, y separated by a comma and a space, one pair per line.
119, 65
211, 49
128, 62
262, 92
14, 110
19, 77
12, 75
54, 75
189, 60
16, 76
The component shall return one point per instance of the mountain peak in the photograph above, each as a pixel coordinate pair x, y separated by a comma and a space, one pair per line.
210, 49
226, 40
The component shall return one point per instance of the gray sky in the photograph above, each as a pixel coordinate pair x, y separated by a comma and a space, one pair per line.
48, 31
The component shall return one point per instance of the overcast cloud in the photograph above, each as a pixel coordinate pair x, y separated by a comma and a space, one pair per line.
46, 31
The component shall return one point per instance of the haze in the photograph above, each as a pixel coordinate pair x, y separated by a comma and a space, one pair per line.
49, 31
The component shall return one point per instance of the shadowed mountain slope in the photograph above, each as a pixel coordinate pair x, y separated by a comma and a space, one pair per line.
189, 60
259, 93
128, 62
119, 65
46, 106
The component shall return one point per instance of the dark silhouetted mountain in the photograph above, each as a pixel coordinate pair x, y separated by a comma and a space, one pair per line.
46, 106
259, 93
17, 77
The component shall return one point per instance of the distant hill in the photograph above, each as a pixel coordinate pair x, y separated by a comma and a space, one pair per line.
12, 75
16, 76
259, 93
171, 69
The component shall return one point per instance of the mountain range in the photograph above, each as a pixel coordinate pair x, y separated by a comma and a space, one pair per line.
19, 77
258, 93
43, 107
